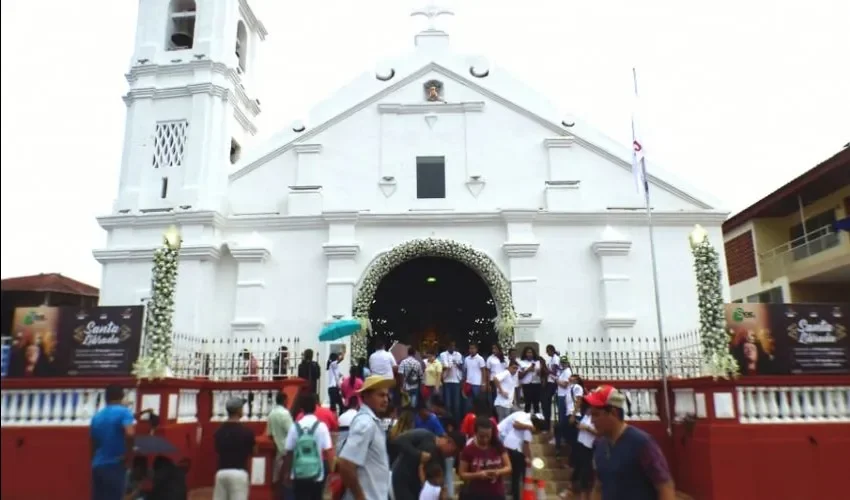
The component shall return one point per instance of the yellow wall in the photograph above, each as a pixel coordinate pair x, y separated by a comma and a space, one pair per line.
820, 292
773, 232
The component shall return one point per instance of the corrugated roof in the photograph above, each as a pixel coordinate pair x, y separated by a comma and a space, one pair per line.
50, 282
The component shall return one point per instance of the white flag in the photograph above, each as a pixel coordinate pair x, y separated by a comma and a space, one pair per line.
638, 150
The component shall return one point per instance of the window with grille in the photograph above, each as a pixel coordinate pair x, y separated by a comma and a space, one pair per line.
430, 177
169, 143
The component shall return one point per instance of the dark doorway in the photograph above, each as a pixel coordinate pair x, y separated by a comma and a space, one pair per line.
427, 301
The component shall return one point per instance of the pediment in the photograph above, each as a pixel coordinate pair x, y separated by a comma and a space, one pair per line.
498, 87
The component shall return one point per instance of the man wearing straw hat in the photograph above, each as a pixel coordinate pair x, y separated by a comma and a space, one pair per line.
629, 463
363, 463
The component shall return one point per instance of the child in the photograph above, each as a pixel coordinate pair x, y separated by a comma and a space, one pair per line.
432, 489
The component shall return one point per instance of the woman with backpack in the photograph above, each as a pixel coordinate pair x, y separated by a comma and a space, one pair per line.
309, 450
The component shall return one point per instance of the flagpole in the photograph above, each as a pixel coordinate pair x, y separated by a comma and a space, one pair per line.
662, 357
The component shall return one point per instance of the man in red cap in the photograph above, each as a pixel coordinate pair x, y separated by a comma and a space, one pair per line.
629, 463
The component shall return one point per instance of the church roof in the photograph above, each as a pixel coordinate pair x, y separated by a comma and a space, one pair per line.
51, 282
500, 86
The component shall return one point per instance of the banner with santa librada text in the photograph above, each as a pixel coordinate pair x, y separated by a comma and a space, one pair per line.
70, 341
781, 339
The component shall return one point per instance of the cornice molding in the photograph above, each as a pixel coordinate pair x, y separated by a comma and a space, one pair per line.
202, 218
559, 142
204, 65
618, 321
251, 19
249, 254
308, 148
267, 221
591, 218
187, 252
431, 107
519, 214
339, 251
341, 217
528, 322
528, 249
611, 248
247, 325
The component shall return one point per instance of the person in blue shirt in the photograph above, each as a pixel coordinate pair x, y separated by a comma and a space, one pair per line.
425, 419
112, 433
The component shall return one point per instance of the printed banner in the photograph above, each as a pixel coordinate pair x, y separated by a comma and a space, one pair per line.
68, 341
778, 339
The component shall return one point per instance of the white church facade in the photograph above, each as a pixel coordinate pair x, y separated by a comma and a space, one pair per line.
283, 236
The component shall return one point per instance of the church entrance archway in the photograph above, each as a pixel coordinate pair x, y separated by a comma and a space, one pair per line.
427, 302
436, 257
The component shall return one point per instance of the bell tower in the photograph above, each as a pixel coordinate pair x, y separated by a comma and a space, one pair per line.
190, 105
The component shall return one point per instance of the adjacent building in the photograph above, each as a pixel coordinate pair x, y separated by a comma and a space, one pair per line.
793, 245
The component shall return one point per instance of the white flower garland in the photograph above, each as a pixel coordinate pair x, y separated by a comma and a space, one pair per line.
160, 311
717, 359
499, 287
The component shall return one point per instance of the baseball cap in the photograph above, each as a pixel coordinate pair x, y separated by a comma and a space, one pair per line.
234, 404
606, 395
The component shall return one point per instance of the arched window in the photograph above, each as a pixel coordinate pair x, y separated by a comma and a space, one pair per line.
181, 25
241, 45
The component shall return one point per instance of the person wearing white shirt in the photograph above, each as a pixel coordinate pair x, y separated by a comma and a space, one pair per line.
476, 373
308, 489
452, 362
505, 384
547, 397
516, 431
496, 364
570, 390
381, 362
530, 368
582, 458
334, 381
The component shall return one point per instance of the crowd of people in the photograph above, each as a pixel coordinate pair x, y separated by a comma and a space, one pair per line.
404, 430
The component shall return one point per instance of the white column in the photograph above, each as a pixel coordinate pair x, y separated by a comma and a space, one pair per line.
612, 249
305, 197
521, 249
563, 180
251, 255
341, 250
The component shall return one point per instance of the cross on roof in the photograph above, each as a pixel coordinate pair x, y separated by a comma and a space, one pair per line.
431, 11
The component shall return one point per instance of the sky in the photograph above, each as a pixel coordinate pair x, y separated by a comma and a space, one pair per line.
738, 97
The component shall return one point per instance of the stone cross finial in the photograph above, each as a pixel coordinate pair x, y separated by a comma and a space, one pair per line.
431, 11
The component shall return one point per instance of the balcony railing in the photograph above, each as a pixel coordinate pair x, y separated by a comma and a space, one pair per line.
780, 261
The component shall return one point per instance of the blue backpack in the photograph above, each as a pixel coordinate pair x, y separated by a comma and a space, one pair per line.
306, 457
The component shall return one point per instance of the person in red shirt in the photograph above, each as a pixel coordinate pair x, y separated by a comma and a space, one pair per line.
484, 463
480, 409
324, 415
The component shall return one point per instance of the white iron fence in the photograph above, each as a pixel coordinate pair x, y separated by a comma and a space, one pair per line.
265, 358
636, 358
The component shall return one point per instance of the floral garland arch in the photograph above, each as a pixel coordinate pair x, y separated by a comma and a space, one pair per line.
433, 247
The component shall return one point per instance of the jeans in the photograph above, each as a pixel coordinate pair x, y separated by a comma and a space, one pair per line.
474, 392
449, 478
451, 396
562, 424
335, 400
231, 484
502, 412
307, 489
548, 394
413, 394
108, 482
517, 472
531, 393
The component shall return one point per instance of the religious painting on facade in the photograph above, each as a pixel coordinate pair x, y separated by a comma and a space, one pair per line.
69, 341
777, 339
434, 91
